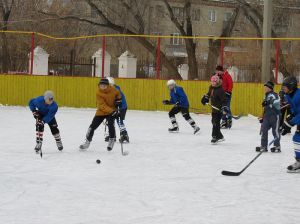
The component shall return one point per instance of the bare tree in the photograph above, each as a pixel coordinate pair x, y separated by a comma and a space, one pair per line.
186, 29
6, 7
255, 16
107, 17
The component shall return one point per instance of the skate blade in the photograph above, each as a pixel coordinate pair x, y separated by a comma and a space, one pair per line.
293, 171
173, 131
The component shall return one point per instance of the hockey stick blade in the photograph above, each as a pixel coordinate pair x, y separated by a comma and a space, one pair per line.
229, 173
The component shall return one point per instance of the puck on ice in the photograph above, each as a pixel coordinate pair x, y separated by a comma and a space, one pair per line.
98, 161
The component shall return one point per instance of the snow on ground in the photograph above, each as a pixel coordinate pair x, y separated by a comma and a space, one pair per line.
166, 178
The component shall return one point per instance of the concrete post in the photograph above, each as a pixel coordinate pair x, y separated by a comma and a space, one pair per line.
267, 32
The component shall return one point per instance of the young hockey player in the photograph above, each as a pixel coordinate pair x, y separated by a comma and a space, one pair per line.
227, 85
44, 109
218, 100
292, 95
108, 100
270, 119
123, 109
181, 104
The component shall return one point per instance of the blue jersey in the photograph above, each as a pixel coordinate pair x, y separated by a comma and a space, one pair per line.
47, 111
294, 101
178, 95
124, 103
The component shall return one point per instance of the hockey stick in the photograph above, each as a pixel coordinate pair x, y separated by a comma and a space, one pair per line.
39, 138
122, 149
218, 109
230, 173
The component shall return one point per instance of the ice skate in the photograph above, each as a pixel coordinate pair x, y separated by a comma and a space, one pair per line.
124, 138
111, 143
275, 149
294, 168
196, 129
261, 149
38, 147
59, 145
85, 145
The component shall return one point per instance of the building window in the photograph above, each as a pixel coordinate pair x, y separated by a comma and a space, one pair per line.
178, 12
196, 14
227, 16
212, 16
175, 40
159, 9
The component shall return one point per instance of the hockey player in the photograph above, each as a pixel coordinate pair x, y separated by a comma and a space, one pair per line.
292, 95
108, 100
270, 119
44, 109
285, 108
217, 97
123, 109
181, 104
227, 85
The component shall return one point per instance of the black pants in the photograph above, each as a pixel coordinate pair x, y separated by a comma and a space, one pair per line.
95, 124
216, 120
185, 114
52, 125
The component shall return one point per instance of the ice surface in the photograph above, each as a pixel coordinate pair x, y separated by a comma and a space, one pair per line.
166, 178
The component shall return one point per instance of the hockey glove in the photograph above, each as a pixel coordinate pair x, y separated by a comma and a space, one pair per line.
205, 99
261, 120
167, 102
118, 103
286, 128
267, 102
36, 114
115, 114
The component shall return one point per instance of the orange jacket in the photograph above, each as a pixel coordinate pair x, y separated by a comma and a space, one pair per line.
106, 100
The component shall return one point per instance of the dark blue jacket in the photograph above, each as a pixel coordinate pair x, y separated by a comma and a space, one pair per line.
294, 102
272, 108
47, 111
178, 95
124, 103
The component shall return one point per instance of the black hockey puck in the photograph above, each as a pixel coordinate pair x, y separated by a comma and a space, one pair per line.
98, 161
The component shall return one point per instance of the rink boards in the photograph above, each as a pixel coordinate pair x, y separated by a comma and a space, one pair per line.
141, 94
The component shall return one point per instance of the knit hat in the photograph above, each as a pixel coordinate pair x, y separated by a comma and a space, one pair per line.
104, 81
48, 95
269, 84
219, 68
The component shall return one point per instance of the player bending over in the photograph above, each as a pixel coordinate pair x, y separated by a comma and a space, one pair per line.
270, 119
292, 95
181, 104
108, 100
218, 101
44, 109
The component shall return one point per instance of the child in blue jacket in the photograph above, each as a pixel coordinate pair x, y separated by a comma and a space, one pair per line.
44, 109
181, 104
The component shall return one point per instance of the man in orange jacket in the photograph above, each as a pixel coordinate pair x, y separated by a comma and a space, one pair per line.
227, 85
108, 101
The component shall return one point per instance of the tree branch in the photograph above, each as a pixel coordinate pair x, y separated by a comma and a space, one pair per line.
174, 19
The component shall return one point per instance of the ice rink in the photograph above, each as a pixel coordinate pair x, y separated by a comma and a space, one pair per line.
166, 178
